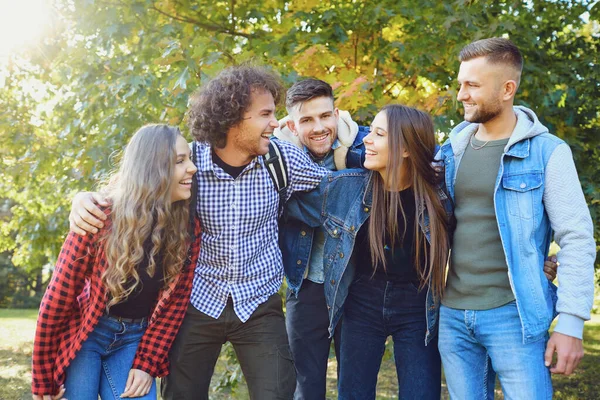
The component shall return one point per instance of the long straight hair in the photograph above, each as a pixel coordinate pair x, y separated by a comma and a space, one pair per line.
140, 193
411, 130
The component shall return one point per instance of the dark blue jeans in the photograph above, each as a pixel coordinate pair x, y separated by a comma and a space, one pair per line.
374, 310
307, 322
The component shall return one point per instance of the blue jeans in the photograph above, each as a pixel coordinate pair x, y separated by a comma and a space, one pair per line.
307, 323
474, 344
103, 363
374, 310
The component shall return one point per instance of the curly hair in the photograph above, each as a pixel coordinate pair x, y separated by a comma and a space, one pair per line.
140, 193
220, 104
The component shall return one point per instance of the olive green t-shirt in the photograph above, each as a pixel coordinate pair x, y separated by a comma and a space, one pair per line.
478, 274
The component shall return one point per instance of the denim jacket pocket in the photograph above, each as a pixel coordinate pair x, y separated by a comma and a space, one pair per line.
333, 228
520, 188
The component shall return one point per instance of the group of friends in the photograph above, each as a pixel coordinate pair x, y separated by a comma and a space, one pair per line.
378, 230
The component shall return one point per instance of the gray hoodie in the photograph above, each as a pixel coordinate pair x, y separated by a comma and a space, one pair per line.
569, 217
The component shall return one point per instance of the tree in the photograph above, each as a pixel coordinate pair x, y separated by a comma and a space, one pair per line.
110, 66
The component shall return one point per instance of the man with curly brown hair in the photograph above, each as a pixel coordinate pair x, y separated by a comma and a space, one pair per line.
239, 271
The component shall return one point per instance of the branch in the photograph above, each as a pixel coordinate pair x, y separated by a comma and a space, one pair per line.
208, 27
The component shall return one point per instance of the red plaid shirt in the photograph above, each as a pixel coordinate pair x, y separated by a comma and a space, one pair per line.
76, 299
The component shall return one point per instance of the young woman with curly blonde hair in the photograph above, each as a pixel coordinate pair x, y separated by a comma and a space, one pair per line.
116, 299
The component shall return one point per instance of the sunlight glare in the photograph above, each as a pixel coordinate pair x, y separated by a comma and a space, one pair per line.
22, 23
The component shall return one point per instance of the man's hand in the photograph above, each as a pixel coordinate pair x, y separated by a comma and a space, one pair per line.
550, 267
569, 352
138, 383
85, 216
58, 396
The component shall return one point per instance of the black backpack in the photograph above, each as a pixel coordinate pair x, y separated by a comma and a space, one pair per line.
278, 172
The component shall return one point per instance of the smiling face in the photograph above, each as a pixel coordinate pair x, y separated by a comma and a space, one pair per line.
181, 184
376, 144
250, 138
481, 90
315, 123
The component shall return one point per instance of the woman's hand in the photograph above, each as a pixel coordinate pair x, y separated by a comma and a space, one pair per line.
58, 396
138, 383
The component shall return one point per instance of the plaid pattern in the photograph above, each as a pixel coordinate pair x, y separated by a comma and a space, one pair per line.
240, 255
75, 300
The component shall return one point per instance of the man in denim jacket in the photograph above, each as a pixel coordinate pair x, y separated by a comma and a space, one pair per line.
334, 141
513, 185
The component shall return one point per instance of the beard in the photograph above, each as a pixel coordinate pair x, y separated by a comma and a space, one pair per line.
485, 113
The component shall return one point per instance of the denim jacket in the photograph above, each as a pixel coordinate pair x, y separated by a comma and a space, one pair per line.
526, 216
342, 205
296, 237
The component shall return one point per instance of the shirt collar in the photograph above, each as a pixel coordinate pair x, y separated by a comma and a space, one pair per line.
205, 162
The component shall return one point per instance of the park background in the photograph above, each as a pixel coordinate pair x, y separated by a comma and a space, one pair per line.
79, 77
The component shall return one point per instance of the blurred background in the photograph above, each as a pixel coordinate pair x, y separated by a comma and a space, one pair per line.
79, 77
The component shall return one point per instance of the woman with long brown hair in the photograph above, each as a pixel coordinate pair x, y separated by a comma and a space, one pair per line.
385, 254
116, 299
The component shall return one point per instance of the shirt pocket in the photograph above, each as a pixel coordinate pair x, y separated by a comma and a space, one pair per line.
522, 189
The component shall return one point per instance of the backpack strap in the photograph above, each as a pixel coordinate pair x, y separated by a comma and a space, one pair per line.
278, 172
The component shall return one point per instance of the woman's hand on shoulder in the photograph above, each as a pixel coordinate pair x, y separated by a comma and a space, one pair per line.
138, 383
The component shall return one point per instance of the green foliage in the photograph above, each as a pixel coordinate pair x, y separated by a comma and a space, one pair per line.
111, 66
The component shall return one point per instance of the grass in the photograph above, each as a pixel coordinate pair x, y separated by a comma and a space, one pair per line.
17, 328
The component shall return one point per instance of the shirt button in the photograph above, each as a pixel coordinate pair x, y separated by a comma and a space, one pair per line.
303, 233
366, 209
333, 281
341, 255
335, 231
352, 228
299, 262
523, 185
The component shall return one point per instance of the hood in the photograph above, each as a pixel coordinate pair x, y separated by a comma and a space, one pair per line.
527, 127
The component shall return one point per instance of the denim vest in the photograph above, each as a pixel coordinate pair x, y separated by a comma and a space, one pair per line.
522, 222
296, 237
345, 199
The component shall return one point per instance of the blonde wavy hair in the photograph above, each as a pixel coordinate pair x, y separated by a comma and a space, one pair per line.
140, 193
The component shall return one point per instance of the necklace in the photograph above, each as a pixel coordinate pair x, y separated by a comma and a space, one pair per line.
476, 147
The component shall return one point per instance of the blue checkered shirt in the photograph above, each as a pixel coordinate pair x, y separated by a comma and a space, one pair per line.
239, 255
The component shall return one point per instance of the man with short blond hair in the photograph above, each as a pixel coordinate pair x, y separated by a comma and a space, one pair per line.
513, 184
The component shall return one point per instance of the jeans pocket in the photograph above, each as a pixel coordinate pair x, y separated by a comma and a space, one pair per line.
286, 372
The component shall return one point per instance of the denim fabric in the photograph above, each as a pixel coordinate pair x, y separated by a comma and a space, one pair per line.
103, 363
374, 310
473, 342
523, 223
342, 205
296, 237
307, 322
